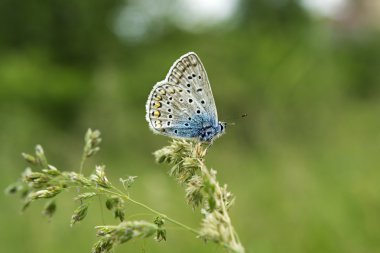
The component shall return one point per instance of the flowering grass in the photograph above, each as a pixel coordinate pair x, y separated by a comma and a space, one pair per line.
43, 181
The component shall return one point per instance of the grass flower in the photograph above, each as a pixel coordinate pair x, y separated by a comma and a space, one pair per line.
202, 190
43, 181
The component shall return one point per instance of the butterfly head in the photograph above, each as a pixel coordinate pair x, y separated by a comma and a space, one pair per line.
209, 133
221, 128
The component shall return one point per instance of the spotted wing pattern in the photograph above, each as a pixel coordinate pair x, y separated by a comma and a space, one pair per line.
182, 104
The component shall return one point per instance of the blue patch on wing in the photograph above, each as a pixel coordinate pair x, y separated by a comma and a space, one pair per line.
196, 126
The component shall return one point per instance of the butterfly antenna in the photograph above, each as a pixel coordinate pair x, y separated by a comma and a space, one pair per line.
233, 123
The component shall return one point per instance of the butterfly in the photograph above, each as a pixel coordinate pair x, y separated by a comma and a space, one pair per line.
182, 106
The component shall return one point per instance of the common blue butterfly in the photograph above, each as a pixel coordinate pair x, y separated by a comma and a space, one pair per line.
182, 105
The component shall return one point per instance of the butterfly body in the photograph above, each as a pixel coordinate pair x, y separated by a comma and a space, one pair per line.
182, 105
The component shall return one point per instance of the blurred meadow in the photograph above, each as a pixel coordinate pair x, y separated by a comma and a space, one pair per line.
304, 164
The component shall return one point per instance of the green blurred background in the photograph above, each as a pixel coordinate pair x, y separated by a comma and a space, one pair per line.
304, 164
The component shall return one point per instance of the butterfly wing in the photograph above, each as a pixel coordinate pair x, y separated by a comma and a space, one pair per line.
180, 105
189, 74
